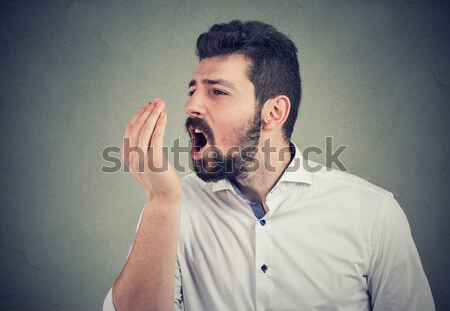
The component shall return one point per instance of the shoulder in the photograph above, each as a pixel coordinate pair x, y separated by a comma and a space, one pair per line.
331, 179
349, 192
358, 201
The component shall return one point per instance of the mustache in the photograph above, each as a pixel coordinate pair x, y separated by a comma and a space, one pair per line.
200, 124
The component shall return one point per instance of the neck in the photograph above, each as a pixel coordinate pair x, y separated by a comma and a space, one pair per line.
273, 159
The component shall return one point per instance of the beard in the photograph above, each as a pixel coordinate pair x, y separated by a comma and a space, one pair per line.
237, 162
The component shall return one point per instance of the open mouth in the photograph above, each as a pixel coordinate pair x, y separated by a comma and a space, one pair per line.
199, 142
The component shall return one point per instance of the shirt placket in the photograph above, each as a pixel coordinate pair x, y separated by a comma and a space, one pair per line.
263, 263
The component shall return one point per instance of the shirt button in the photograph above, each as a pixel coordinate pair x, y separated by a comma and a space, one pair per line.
262, 222
264, 268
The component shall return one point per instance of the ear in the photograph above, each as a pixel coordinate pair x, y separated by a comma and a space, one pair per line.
275, 112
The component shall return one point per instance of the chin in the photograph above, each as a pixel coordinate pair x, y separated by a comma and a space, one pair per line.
209, 177
207, 172
214, 171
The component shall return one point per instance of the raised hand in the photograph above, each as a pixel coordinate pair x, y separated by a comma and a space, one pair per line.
146, 281
143, 153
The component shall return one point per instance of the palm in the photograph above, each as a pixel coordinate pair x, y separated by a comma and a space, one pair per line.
143, 152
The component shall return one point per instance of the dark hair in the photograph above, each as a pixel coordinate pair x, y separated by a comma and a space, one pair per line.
274, 68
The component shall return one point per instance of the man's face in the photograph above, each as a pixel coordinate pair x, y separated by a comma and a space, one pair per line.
222, 122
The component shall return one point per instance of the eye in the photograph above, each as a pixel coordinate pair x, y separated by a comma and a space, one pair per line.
219, 92
191, 92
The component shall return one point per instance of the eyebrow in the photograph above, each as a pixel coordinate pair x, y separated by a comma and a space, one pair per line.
214, 81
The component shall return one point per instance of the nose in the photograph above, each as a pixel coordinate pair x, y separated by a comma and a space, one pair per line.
195, 106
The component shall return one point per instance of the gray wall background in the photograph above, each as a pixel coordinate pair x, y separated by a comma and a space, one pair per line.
376, 77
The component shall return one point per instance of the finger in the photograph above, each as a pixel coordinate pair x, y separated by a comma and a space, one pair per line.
139, 123
130, 124
149, 126
131, 132
157, 140
135, 154
129, 129
158, 133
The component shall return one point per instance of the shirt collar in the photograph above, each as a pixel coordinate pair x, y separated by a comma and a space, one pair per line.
295, 172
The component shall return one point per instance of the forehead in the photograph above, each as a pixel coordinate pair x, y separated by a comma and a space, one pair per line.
232, 68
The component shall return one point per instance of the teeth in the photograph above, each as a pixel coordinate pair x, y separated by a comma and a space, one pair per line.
197, 131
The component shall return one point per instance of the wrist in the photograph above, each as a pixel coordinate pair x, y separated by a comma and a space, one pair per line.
163, 202
171, 197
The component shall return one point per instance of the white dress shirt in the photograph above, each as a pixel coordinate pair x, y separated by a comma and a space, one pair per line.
330, 241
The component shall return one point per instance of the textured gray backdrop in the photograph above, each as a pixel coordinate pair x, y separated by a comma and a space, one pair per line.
376, 78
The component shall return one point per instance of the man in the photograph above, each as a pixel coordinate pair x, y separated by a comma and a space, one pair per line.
253, 229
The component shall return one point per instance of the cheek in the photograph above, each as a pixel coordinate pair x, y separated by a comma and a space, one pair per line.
225, 134
227, 131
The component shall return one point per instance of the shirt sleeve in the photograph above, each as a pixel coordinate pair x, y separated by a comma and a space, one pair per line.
178, 304
396, 278
108, 304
